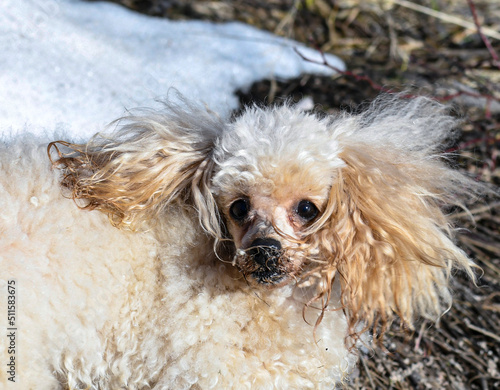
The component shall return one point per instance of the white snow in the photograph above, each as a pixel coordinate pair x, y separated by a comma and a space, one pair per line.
80, 65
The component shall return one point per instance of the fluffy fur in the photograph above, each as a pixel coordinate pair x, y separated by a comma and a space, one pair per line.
198, 253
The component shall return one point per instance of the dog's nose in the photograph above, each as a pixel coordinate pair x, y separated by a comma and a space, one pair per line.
265, 252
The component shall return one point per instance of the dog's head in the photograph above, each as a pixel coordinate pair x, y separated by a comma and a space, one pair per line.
273, 175
358, 198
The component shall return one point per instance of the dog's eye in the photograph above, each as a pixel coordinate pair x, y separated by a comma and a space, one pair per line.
239, 209
306, 210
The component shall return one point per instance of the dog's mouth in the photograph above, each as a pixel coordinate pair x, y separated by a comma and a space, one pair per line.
264, 262
269, 277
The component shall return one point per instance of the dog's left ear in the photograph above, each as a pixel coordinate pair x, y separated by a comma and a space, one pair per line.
390, 236
151, 161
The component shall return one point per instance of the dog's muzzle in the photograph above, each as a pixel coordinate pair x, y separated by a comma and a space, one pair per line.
266, 253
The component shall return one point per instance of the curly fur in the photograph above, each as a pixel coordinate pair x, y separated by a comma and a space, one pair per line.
163, 293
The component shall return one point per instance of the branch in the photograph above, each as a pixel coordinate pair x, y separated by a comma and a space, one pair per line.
378, 87
487, 43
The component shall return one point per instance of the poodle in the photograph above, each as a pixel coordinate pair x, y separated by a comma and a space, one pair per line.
183, 251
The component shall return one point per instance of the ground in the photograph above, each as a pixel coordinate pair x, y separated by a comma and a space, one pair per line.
430, 47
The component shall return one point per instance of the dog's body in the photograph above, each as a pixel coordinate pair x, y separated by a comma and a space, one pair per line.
165, 306
103, 307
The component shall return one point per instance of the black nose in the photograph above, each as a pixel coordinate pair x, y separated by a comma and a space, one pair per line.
265, 252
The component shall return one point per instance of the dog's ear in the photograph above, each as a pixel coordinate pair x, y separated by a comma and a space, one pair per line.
391, 240
150, 161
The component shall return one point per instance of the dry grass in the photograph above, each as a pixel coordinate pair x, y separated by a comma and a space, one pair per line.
431, 47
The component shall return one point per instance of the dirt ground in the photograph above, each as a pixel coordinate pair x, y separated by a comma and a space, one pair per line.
430, 47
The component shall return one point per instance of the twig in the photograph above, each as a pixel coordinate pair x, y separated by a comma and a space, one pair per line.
288, 19
482, 331
420, 335
365, 366
478, 365
348, 73
481, 244
496, 60
473, 142
475, 211
446, 18
381, 88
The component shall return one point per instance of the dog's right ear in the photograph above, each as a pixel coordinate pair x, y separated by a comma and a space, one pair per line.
149, 162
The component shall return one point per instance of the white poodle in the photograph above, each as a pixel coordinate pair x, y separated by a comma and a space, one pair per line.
186, 252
